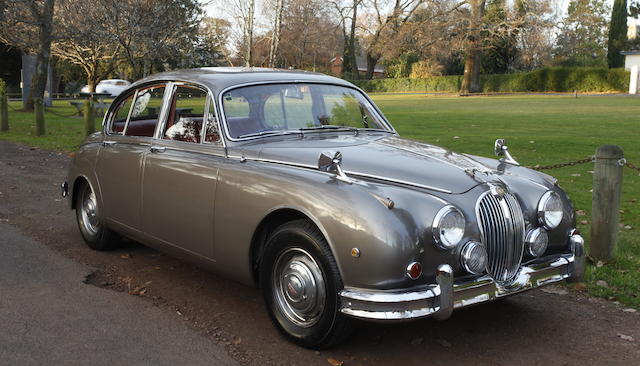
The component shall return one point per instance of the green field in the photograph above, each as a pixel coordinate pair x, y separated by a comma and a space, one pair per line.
539, 130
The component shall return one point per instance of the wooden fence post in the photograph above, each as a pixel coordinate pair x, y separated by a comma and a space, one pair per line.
605, 214
4, 107
39, 112
89, 117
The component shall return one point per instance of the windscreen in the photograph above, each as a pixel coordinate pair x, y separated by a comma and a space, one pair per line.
262, 109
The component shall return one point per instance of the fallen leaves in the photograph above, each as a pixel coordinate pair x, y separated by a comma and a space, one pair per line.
125, 256
140, 290
625, 337
580, 286
443, 342
602, 283
334, 362
554, 290
629, 310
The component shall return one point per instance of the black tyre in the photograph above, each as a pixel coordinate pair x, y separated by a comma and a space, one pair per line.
91, 225
300, 283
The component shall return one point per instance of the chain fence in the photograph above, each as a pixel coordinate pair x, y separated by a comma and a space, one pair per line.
590, 159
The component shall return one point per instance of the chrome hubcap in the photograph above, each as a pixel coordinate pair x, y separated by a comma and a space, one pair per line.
299, 287
89, 212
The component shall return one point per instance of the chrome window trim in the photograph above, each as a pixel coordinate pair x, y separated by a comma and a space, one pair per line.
210, 97
223, 116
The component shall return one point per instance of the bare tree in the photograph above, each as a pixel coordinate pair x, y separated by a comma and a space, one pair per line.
243, 11
149, 31
28, 25
81, 38
275, 40
384, 26
309, 37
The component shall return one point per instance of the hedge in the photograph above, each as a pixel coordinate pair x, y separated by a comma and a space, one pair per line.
552, 79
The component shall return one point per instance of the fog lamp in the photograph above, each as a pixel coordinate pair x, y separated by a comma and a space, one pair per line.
474, 257
537, 241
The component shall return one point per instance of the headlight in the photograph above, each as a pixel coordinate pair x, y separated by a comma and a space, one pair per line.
474, 257
550, 210
537, 240
448, 227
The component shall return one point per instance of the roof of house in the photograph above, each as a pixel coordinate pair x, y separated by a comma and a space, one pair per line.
631, 52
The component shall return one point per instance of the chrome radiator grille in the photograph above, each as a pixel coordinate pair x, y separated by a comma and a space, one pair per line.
502, 228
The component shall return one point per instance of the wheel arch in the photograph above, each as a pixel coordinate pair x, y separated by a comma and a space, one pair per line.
273, 219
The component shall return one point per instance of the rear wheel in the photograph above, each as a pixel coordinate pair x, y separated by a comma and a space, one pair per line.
91, 225
300, 282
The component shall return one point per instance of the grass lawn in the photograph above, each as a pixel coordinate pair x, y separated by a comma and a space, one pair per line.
539, 130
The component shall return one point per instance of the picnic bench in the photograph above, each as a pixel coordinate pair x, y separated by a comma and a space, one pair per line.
99, 104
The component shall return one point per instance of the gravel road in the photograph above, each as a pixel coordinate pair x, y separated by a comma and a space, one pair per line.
554, 326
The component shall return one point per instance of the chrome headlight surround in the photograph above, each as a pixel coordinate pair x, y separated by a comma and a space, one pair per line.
474, 257
448, 227
550, 210
537, 241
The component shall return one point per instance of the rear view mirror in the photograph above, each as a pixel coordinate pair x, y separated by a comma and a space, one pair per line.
293, 92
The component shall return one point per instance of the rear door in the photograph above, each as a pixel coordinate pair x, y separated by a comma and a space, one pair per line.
129, 132
180, 173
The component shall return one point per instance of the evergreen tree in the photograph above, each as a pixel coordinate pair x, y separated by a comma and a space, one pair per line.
617, 33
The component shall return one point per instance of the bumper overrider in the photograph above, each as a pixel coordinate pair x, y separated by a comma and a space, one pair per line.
438, 300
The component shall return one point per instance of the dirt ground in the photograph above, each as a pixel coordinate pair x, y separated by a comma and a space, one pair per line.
553, 326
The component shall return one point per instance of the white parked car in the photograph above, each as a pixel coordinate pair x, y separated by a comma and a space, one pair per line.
110, 86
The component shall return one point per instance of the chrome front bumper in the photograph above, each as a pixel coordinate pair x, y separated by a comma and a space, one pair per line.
439, 299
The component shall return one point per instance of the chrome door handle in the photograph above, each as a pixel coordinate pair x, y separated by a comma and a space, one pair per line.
108, 143
157, 149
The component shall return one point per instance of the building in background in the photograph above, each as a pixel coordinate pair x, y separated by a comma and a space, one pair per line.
632, 57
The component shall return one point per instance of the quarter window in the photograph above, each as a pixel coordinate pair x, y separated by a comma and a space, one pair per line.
212, 134
145, 111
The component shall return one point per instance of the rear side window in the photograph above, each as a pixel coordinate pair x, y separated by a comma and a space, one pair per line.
186, 114
120, 115
145, 111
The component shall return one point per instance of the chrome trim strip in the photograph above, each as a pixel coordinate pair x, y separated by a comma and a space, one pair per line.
347, 172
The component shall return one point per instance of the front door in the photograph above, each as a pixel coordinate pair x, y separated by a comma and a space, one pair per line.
181, 172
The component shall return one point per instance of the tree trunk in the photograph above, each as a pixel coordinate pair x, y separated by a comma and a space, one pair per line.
39, 79
473, 57
371, 65
471, 78
273, 52
352, 42
248, 33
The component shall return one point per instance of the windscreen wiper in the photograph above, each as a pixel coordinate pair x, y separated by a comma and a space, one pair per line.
270, 133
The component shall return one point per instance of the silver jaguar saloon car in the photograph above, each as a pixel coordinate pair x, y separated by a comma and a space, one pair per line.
295, 182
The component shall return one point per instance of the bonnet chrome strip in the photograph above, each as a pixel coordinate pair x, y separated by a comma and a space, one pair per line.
348, 172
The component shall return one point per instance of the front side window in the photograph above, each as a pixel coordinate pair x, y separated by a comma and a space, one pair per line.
145, 111
280, 108
186, 114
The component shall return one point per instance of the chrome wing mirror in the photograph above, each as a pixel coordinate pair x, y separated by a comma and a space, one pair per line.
331, 162
501, 149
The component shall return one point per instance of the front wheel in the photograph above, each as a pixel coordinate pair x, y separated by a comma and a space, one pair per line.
300, 282
94, 232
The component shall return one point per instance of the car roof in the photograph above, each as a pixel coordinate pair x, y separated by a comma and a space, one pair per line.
220, 78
